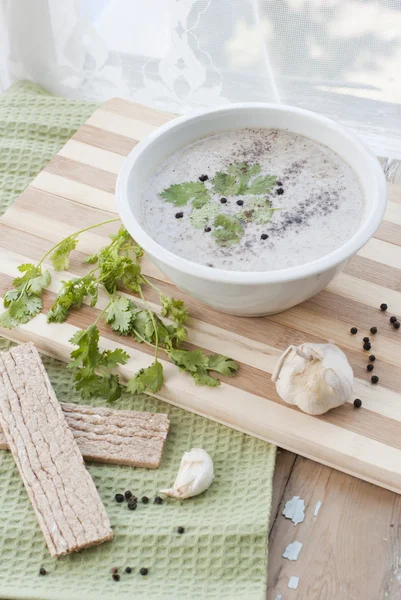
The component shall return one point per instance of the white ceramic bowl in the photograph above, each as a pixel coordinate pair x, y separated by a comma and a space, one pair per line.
257, 292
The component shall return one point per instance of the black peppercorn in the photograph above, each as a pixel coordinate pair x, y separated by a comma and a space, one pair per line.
357, 403
144, 571
353, 330
373, 330
180, 530
128, 495
367, 346
279, 191
203, 178
128, 570
370, 367
393, 319
396, 325
119, 498
158, 500
240, 202
145, 499
42, 571
366, 339
116, 577
264, 236
207, 229
114, 570
372, 358
132, 503
223, 200
280, 183
179, 215
374, 379
383, 306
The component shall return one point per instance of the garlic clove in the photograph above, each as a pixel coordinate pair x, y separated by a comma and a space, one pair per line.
314, 377
194, 476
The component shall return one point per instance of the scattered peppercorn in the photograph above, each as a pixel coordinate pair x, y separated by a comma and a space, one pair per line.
144, 571
42, 571
145, 499
357, 403
264, 236
396, 325
116, 577
280, 183
128, 570
240, 202
383, 306
158, 500
393, 319
179, 215
119, 498
367, 346
373, 330
114, 570
353, 330
128, 495
207, 229
370, 367
223, 200
132, 503
366, 339
374, 379
372, 358
203, 178
180, 530
279, 191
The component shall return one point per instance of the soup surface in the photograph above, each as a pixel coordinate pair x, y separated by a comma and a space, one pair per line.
272, 200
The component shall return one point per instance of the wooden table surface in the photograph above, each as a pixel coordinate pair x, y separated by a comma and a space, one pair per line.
352, 549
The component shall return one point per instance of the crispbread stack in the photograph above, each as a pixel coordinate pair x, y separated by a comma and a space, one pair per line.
67, 505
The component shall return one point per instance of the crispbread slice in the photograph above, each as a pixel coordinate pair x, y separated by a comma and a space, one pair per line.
121, 437
67, 505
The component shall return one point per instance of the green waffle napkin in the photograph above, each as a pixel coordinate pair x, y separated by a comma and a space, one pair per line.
223, 552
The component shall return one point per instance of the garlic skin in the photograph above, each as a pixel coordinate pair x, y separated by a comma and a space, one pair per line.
314, 377
194, 476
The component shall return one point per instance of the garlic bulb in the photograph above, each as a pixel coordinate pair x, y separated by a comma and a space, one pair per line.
314, 377
194, 476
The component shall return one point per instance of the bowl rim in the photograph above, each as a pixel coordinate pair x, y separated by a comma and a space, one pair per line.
324, 263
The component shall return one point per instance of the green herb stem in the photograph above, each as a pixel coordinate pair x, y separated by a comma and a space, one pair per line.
153, 322
148, 282
76, 234
100, 315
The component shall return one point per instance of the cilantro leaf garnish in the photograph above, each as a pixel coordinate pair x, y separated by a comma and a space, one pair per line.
180, 194
120, 314
224, 184
60, 256
222, 364
228, 230
93, 368
236, 181
72, 295
200, 217
25, 300
258, 210
149, 379
175, 309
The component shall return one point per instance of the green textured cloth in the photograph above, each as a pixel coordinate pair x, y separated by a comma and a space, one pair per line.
223, 552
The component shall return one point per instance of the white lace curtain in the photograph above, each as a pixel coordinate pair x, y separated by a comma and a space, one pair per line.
341, 58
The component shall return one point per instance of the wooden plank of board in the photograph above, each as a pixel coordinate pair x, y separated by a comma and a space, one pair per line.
118, 437
67, 505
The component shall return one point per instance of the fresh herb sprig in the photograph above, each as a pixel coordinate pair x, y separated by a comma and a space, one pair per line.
115, 267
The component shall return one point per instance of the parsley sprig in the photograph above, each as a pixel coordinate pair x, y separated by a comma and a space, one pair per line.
115, 267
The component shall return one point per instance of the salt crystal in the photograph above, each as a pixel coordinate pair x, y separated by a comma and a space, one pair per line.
317, 508
292, 551
293, 582
294, 509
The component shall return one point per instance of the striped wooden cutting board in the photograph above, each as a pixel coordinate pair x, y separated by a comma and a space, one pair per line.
76, 190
